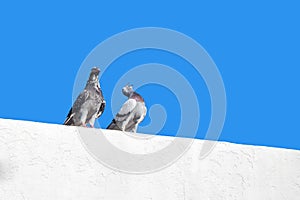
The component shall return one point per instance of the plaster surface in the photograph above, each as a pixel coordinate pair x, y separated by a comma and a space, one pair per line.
47, 161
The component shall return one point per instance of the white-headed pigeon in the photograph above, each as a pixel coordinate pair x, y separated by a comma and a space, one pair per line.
132, 112
89, 105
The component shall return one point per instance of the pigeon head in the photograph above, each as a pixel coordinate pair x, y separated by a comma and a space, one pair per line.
94, 78
94, 74
127, 90
95, 71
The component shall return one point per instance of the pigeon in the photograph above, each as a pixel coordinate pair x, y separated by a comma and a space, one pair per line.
131, 113
89, 105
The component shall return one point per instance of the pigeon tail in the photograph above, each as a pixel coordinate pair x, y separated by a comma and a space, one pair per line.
69, 120
113, 126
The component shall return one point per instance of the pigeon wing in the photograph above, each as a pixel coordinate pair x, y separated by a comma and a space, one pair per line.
84, 95
101, 109
138, 118
122, 115
125, 110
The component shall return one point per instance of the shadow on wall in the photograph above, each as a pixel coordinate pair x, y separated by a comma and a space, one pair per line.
3, 174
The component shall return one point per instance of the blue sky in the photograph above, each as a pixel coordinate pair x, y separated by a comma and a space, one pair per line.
254, 44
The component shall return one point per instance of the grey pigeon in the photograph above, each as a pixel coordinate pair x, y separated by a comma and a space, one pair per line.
89, 105
132, 112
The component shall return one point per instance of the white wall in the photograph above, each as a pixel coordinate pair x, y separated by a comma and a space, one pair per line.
43, 161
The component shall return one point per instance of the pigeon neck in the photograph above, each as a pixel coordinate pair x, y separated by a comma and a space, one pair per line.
136, 96
93, 80
129, 94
